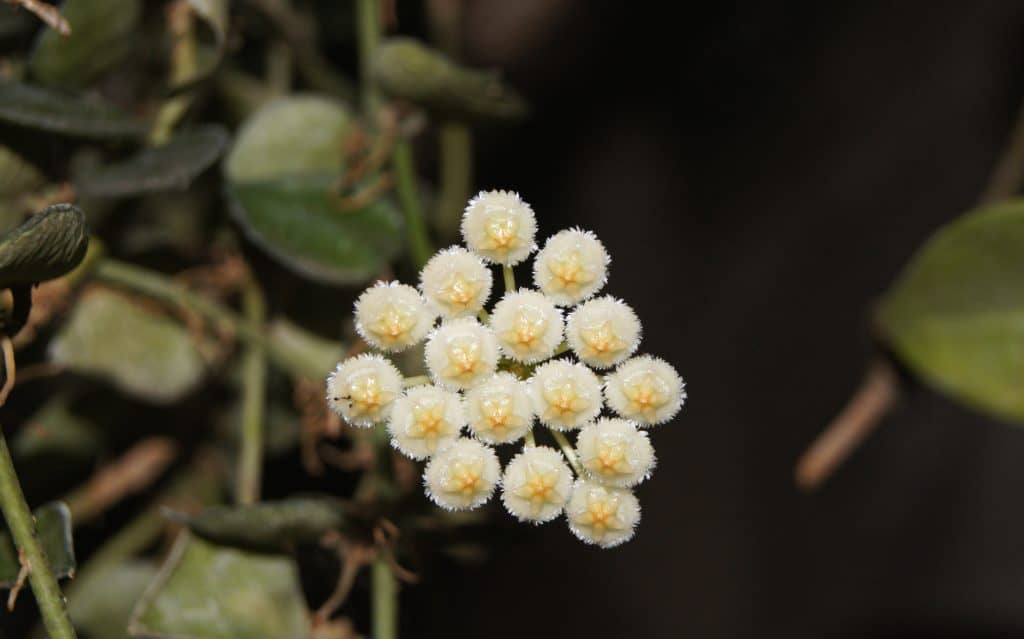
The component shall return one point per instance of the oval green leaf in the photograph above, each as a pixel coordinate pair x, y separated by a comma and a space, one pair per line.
294, 135
299, 223
101, 35
142, 353
102, 605
53, 526
956, 314
17, 175
47, 245
205, 591
271, 526
60, 112
172, 166
408, 69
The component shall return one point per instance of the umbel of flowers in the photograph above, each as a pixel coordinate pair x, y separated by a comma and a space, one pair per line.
554, 355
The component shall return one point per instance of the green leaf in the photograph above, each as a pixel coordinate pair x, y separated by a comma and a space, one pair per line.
409, 69
60, 112
45, 246
956, 314
305, 350
103, 607
17, 175
298, 222
142, 353
270, 526
55, 430
294, 135
213, 13
101, 35
53, 525
206, 591
172, 166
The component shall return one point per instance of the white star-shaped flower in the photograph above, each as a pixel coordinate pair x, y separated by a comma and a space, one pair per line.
363, 389
462, 476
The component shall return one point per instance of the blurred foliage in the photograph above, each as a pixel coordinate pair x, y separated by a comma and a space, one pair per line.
233, 189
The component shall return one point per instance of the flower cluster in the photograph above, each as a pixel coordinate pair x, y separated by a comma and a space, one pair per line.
492, 375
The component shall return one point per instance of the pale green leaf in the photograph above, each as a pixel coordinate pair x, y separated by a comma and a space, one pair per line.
60, 112
102, 607
956, 314
53, 525
17, 175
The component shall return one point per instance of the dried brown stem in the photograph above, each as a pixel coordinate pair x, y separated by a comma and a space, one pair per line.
9, 369
860, 416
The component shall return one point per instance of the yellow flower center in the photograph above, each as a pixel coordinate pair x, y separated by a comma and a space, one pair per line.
366, 396
501, 231
527, 327
463, 359
569, 271
602, 338
563, 401
393, 324
459, 291
602, 515
645, 394
428, 422
464, 477
611, 459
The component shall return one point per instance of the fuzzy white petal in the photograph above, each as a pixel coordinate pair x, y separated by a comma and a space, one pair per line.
462, 476
456, 282
602, 515
646, 390
565, 395
500, 227
536, 485
461, 353
603, 331
499, 409
615, 453
392, 316
426, 420
528, 326
363, 389
572, 266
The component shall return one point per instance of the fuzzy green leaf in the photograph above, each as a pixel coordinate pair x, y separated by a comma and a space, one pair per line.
103, 609
956, 314
205, 591
47, 245
172, 166
298, 222
142, 353
305, 350
53, 525
101, 35
411, 70
270, 526
56, 111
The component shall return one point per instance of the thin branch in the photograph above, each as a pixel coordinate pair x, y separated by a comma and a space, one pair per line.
254, 390
867, 407
47, 13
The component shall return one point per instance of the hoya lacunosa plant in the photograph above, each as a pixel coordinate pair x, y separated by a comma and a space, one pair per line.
556, 357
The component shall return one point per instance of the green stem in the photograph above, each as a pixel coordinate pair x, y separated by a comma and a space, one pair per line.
405, 177
22, 526
385, 600
368, 27
456, 160
254, 387
510, 278
568, 451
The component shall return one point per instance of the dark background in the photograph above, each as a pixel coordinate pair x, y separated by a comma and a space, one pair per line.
760, 172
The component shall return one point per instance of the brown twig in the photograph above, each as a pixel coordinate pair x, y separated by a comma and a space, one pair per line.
47, 13
23, 571
869, 404
9, 369
135, 470
353, 558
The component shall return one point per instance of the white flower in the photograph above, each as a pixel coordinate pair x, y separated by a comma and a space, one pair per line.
499, 409
528, 326
565, 395
646, 390
461, 353
499, 226
392, 316
615, 453
602, 515
536, 484
603, 331
425, 420
462, 476
572, 266
363, 389
456, 282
